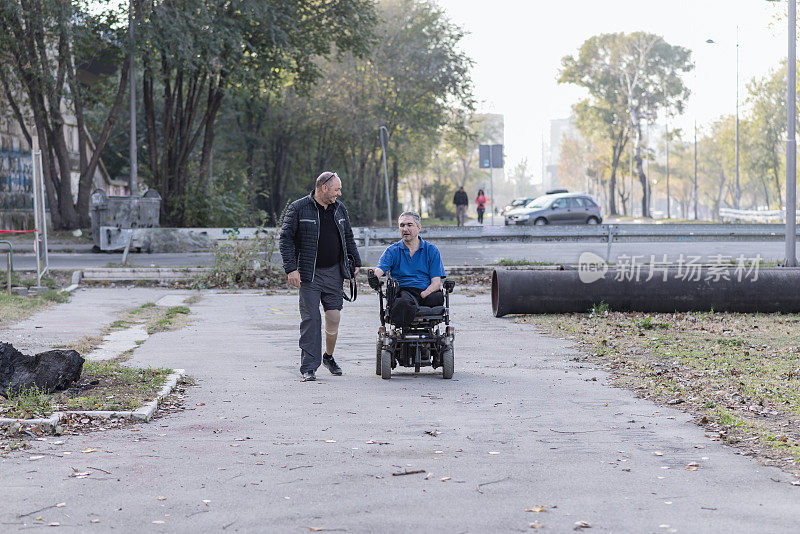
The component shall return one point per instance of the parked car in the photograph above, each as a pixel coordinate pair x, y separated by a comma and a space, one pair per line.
559, 208
516, 203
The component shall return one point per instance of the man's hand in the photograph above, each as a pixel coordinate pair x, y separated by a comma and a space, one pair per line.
357, 271
294, 278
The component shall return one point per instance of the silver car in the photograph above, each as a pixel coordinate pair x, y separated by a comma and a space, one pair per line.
563, 208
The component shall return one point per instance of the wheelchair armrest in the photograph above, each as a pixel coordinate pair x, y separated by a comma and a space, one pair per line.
449, 285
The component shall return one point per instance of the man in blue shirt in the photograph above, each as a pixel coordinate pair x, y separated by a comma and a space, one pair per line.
417, 266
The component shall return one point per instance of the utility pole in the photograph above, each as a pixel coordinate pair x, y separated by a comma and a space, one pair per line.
738, 191
666, 152
381, 131
133, 179
695, 169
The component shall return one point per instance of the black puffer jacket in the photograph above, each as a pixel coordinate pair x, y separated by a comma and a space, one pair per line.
300, 234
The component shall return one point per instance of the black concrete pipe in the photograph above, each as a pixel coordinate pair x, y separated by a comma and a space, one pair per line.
765, 290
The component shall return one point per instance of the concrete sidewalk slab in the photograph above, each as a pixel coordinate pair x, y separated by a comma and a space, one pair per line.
518, 426
119, 342
86, 314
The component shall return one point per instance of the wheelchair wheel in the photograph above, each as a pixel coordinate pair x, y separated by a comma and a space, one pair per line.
378, 351
448, 361
386, 364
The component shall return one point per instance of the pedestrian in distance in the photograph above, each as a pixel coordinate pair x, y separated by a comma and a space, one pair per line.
480, 202
461, 201
319, 253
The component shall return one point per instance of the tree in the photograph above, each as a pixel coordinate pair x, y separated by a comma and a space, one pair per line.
716, 164
41, 49
765, 131
194, 52
630, 77
411, 81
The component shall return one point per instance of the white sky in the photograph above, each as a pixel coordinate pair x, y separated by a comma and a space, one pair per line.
517, 46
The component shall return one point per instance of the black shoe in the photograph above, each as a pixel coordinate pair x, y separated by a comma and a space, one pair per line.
331, 364
308, 376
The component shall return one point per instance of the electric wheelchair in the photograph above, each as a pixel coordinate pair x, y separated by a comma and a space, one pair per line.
423, 343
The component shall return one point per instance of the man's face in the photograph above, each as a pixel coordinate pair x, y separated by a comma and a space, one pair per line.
331, 191
409, 229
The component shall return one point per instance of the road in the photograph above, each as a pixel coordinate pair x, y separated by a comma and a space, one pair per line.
519, 426
465, 253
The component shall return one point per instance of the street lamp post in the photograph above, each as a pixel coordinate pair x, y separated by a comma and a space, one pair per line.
736, 149
791, 148
738, 190
695, 169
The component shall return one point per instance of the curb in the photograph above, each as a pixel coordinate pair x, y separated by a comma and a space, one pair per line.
144, 413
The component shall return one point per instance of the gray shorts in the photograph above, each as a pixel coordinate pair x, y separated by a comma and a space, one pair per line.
326, 288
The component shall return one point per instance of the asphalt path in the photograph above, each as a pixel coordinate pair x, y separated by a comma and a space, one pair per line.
520, 426
454, 253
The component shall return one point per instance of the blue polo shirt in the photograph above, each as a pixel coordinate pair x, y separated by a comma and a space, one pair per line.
415, 271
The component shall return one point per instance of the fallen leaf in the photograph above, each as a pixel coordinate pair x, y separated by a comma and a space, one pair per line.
444, 479
428, 476
493, 452
206, 501
35, 457
54, 524
330, 441
87, 451
162, 498
582, 524
536, 525
61, 505
536, 509
159, 522
658, 453
692, 466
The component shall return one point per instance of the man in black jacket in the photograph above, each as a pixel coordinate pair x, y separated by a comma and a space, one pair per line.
318, 252
461, 201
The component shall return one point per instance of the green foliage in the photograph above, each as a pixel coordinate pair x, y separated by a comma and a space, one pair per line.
244, 263
599, 309
197, 52
630, 78
26, 404
647, 323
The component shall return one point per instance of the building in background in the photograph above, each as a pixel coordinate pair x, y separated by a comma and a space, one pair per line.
16, 172
559, 128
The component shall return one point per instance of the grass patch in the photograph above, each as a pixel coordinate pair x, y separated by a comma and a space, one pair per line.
104, 385
28, 404
14, 308
738, 373
172, 319
119, 387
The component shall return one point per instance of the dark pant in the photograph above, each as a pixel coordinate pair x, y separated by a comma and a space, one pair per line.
407, 303
326, 288
480, 215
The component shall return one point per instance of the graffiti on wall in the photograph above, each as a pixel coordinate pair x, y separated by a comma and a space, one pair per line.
16, 180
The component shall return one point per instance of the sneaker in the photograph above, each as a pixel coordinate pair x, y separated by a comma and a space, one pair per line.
308, 376
331, 364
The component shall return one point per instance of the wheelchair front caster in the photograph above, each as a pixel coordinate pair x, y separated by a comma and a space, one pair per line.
386, 364
379, 350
